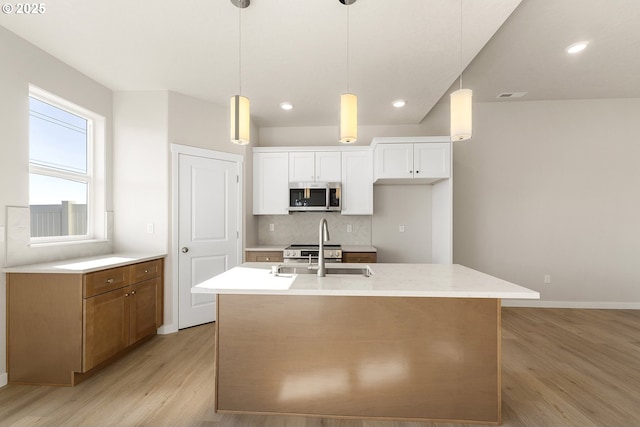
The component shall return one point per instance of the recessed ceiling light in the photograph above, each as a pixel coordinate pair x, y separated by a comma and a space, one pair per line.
286, 105
399, 103
577, 47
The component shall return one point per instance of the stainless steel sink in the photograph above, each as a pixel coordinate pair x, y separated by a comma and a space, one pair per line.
330, 269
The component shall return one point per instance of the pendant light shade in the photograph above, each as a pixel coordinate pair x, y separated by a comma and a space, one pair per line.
348, 118
461, 114
240, 120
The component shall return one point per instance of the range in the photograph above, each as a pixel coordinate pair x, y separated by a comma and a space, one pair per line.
302, 253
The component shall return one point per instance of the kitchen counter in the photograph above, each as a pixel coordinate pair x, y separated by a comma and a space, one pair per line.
410, 342
85, 265
391, 280
266, 248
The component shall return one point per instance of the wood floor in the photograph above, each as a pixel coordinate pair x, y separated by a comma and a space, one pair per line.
561, 367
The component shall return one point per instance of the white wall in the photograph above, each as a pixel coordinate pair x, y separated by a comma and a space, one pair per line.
407, 205
23, 63
146, 123
552, 188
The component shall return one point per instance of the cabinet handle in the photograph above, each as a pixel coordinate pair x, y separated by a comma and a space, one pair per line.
146, 271
417, 171
267, 258
133, 292
410, 171
126, 295
110, 280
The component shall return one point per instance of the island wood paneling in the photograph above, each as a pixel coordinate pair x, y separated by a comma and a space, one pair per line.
365, 357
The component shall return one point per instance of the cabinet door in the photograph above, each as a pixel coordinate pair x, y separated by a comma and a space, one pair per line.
270, 183
432, 160
106, 330
302, 166
328, 166
357, 183
394, 161
142, 310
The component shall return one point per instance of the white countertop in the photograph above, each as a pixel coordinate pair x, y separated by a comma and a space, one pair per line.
265, 248
85, 265
401, 280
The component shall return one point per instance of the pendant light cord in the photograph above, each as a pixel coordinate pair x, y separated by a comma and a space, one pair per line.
461, 70
348, 49
239, 51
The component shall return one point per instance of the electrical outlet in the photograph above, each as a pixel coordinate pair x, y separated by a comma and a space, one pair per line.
272, 227
349, 228
547, 279
401, 228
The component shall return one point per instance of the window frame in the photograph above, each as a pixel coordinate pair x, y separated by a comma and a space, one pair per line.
93, 178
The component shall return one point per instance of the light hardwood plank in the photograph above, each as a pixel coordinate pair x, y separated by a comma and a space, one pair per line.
560, 367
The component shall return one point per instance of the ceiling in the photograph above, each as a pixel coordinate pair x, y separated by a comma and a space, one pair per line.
296, 51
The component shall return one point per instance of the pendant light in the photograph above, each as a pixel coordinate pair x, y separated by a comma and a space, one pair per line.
461, 105
240, 108
348, 101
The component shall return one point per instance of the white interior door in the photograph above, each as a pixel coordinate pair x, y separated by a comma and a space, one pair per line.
208, 232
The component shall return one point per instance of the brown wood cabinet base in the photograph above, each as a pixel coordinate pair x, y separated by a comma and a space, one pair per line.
362, 357
61, 328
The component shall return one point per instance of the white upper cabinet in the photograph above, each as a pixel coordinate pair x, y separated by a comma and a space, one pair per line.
309, 166
271, 183
357, 183
432, 160
394, 160
412, 162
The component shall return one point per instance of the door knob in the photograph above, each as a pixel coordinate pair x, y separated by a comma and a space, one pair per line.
185, 250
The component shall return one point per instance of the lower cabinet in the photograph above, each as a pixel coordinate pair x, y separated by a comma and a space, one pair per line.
62, 326
368, 257
263, 256
117, 319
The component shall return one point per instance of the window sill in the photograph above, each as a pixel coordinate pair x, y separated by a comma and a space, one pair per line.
66, 242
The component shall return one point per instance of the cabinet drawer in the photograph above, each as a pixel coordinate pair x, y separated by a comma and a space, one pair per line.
359, 257
105, 281
263, 256
146, 270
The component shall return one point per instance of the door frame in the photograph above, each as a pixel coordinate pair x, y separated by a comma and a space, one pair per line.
176, 151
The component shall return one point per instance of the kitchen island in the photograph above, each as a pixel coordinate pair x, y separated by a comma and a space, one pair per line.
410, 341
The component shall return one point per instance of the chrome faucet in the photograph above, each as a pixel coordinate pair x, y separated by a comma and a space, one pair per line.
323, 236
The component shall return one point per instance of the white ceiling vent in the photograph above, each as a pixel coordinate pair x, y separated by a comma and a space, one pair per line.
511, 95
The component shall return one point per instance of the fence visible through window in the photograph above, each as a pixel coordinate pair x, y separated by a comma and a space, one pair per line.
65, 219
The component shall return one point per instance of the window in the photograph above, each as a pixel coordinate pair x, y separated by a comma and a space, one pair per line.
65, 198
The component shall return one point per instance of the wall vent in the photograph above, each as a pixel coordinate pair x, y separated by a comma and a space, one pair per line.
511, 95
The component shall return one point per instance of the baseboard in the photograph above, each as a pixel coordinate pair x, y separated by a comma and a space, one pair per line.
572, 304
4, 379
167, 329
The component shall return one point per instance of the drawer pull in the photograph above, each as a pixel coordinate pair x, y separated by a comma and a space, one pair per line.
126, 295
146, 270
133, 292
267, 258
110, 280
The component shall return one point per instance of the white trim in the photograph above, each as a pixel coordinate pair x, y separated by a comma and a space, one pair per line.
4, 379
573, 304
309, 148
203, 152
176, 151
167, 329
408, 139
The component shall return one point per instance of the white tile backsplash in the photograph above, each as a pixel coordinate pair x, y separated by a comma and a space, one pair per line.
302, 227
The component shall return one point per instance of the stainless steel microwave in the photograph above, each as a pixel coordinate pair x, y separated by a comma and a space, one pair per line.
314, 196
